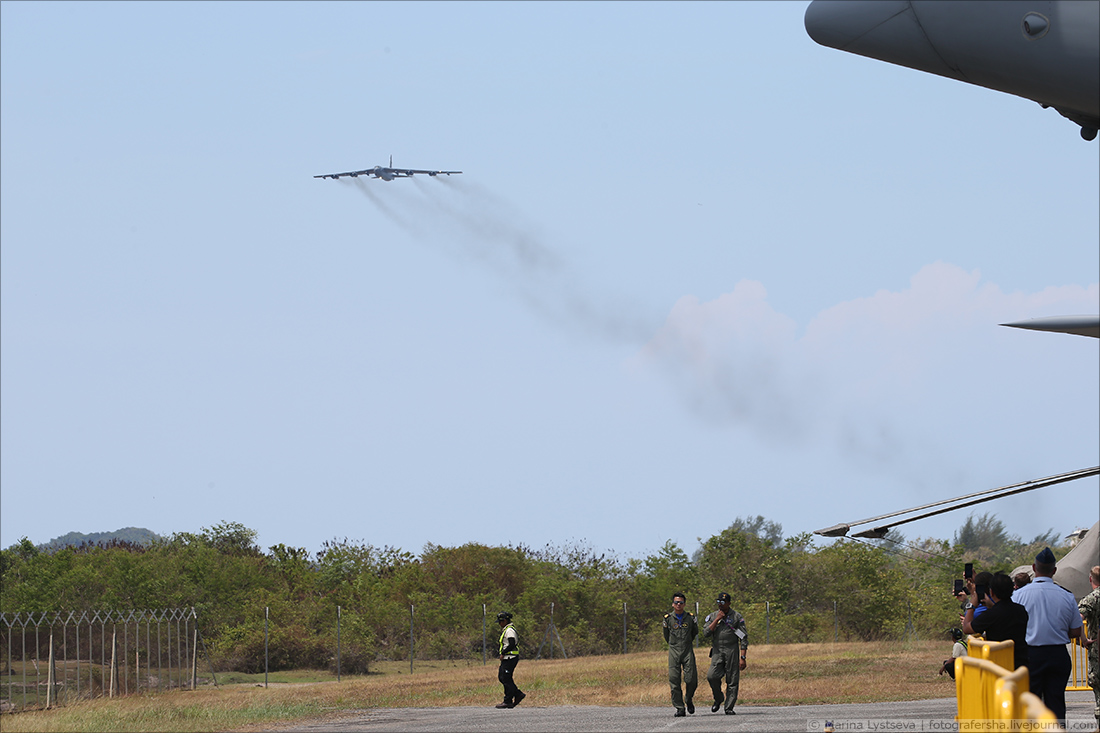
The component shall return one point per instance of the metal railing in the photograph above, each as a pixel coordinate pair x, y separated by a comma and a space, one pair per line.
55, 657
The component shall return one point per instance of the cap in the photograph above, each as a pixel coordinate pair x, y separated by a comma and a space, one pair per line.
956, 634
724, 597
1046, 557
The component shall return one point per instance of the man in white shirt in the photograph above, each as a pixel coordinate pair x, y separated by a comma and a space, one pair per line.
1052, 620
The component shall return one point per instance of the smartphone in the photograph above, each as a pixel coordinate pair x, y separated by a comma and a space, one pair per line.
960, 586
968, 570
981, 590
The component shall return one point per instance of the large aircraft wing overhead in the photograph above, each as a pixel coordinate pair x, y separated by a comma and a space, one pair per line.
1046, 52
1077, 325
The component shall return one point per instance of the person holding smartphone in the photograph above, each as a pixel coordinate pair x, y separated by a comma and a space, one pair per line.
976, 590
1003, 619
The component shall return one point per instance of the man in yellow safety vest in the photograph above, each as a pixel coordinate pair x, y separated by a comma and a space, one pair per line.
509, 658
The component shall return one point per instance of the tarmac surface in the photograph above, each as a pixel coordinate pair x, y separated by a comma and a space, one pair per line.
919, 715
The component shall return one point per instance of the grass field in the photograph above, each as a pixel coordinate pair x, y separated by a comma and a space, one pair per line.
785, 674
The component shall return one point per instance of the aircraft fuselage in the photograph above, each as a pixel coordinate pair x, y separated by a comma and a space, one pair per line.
1048, 52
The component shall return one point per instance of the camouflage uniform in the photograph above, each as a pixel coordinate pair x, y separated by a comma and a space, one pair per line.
1090, 612
730, 640
680, 635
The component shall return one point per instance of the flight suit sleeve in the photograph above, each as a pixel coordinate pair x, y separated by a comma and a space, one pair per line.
742, 632
664, 627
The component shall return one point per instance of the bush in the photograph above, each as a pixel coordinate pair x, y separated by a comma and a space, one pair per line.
241, 649
354, 659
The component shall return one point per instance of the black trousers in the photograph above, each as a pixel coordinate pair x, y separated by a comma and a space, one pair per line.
504, 674
1049, 667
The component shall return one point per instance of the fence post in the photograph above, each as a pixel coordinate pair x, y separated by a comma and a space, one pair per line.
195, 616
148, 652
51, 674
267, 614
23, 659
767, 622
194, 657
124, 688
337, 643
484, 650
836, 624
624, 627
412, 639
114, 663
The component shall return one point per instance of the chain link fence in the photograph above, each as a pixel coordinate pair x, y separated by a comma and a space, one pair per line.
56, 657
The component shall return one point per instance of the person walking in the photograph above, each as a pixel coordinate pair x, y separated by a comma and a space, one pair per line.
1053, 619
509, 658
729, 646
680, 629
1090, 614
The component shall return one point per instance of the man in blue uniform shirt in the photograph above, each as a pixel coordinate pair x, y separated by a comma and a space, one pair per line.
1052, 620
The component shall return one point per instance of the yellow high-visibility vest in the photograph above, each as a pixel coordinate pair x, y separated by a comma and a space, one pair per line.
515, 652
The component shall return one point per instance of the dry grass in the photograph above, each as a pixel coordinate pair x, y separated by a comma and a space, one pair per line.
788, 674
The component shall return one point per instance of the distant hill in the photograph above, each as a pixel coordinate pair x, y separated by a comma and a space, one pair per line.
136, 535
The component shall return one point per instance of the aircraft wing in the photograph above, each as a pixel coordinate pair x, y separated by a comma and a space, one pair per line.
349, 174
405, 172
1046, 52
1078, 325
387, 174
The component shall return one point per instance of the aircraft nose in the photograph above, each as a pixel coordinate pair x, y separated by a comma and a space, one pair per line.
888, 30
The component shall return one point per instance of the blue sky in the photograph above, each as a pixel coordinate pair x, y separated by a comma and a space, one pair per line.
697, 268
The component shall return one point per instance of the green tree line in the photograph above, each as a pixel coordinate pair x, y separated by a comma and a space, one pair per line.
788, 589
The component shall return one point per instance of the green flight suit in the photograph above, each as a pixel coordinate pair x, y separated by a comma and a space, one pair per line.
727, 642
680, 634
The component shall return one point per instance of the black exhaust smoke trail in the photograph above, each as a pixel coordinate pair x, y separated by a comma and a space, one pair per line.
364, 188
475, 225
487, 219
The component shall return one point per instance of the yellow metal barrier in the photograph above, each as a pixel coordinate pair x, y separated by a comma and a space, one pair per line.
986, 691
998, 652
1006, 693
1036, 713
1079, 677
975, 688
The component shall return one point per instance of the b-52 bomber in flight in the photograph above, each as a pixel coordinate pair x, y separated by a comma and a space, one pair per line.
387, 174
